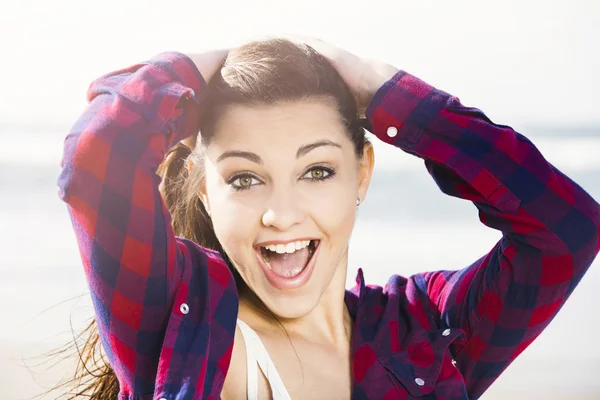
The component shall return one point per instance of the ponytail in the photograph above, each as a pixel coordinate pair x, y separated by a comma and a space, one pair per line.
180, 193
93, 379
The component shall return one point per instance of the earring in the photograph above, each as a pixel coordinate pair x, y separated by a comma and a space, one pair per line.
357, 202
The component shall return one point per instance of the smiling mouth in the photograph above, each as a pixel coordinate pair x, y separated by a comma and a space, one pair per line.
288, 260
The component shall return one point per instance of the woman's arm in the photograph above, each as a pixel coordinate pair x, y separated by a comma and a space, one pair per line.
132, 260
550, 225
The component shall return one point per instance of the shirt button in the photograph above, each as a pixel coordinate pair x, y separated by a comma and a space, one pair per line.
392, 131
419, 381
446, 332
184, 308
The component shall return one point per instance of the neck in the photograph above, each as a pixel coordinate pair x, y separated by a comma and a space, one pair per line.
329, 323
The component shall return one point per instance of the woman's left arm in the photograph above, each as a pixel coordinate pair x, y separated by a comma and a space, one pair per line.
550, 225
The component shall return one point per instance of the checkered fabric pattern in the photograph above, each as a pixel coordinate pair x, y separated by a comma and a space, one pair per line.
166, 308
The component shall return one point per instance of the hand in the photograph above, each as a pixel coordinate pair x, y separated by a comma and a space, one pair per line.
208, 63
362, 75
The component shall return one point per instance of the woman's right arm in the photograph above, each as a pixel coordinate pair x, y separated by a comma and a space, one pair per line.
132, 260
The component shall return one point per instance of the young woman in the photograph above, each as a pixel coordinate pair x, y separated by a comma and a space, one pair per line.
226, 279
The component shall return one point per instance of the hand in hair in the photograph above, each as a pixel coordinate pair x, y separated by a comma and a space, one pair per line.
208, 63
362, 75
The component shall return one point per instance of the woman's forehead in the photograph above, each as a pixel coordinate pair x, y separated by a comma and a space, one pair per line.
281, 124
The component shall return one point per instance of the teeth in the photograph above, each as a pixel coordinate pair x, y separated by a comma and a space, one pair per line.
287, 248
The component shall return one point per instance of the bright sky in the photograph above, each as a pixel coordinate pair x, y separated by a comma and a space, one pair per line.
533, 61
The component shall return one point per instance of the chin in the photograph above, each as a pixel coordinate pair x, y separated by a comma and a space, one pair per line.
292, 307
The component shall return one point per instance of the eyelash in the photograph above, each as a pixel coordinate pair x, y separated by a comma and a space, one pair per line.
329, 170
329, 173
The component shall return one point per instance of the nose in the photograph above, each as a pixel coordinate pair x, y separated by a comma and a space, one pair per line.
283, 211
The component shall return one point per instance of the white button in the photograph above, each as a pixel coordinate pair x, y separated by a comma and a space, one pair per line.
392, 131
184, 308
454, 362
446, 332
419, 381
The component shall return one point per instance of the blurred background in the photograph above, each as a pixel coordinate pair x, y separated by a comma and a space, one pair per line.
533, 65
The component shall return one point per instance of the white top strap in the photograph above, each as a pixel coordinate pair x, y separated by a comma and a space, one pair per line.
256, 353
251, 364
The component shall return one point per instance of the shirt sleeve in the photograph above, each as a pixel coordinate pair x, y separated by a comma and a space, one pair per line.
132, 260
550, 225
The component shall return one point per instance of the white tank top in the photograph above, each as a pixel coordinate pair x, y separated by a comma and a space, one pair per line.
256, 354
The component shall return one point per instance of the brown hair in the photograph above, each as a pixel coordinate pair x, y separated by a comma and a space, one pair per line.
262, 72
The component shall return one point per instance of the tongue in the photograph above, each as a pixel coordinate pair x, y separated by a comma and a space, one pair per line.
288, 265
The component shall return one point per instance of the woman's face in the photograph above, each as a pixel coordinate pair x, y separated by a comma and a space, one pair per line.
281, 187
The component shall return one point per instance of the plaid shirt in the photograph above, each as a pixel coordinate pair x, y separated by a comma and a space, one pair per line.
167, 308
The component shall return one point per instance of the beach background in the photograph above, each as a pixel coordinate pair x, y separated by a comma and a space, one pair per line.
533, 66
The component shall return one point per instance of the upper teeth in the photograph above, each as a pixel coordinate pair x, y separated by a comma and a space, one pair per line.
288, 248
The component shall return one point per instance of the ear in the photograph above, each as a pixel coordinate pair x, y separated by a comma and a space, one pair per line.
367, 163
204, 198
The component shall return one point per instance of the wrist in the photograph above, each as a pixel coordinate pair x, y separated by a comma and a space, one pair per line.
379, 74
208, 63
374, 75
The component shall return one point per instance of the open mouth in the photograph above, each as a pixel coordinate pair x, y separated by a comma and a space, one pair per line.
288, 260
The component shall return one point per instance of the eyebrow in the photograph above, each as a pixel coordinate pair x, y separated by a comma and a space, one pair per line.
255, 158
242, 154
303, 150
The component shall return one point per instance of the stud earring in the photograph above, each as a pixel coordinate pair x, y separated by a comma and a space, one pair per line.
357, 202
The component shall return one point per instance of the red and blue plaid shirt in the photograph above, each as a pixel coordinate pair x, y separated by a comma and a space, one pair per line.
166, 308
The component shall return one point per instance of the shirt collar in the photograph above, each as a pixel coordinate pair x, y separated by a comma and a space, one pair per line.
355, 296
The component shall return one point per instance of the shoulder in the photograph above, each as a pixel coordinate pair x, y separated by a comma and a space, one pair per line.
207, 262
236, 380
234, 386
207, 280
402, 299
397, 287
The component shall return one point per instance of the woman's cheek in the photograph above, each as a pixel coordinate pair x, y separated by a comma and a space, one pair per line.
333, 207
234, 218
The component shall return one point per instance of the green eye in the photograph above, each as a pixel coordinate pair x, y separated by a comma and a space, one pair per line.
243, 182
318, 174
